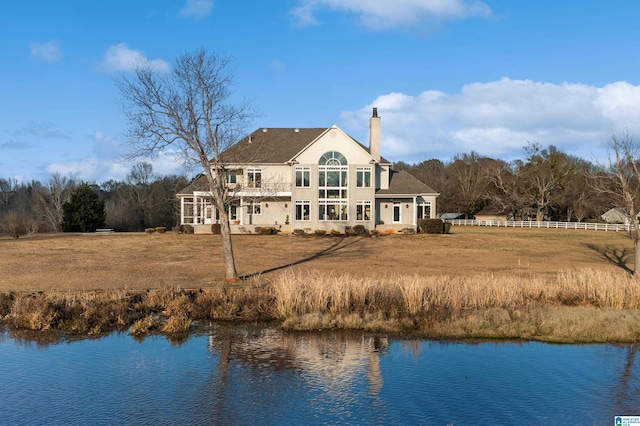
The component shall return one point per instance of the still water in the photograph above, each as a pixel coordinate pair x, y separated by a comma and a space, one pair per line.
258, 376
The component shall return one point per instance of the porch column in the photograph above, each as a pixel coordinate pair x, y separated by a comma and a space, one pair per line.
414, 221
241, 210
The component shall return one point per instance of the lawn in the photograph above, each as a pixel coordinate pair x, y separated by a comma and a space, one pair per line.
141, 261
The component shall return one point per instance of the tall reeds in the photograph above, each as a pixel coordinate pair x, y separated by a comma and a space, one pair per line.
491, 305
303, 292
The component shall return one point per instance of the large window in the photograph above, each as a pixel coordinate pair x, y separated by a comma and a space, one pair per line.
303, 177
363, 177
363, 211
302, 210
254, 178
333, 203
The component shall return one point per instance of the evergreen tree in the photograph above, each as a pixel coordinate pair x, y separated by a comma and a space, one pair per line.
84, 212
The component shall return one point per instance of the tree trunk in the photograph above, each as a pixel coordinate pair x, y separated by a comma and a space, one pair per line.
230, 273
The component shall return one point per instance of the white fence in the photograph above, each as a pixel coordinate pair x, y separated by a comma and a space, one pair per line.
533, 224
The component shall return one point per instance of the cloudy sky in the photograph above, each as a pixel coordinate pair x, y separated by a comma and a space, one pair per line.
447, 76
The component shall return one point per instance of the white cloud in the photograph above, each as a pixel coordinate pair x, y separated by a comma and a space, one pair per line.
121, 58
499, 118
48, 51
107, 161
384, 14
197, 8
278, 66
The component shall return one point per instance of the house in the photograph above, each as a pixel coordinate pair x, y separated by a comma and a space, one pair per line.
310, 179
617, 215
491, 215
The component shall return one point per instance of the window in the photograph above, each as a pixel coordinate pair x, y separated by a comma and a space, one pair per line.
363, 177
363, 211
303, 177
254, 177
255, 208
424, 210
336, 210
302, 210
187, 210
333, 203
232, 178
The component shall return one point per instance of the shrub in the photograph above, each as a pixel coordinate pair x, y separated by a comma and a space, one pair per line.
298, 232
349, 232
375, 233
185, 229
320, 232
216, 229
150, 230
431, 226
359, 229
335, 233
408, 231
161, 229
266, 230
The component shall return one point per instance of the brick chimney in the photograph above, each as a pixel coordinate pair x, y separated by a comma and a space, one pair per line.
374, 135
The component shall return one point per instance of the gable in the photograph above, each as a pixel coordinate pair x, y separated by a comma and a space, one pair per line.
334, 139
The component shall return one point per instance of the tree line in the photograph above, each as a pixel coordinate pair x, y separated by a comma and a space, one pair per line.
547, 184
63, 203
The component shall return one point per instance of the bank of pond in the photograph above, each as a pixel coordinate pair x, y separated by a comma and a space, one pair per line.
576, 306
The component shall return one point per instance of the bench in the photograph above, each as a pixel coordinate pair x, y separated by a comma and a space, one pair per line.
104, 231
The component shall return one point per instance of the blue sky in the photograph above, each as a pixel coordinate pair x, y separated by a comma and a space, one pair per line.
447, 76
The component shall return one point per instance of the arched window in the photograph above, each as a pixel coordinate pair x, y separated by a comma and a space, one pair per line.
333, 182
332, 158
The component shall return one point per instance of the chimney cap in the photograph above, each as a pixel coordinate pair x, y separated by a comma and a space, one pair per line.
375, 112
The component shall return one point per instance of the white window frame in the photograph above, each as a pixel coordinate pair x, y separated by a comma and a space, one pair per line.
255, 209
254, 178
333, 197
361, 174
361, 210
188, 210
422, 207
304, 172
302, 217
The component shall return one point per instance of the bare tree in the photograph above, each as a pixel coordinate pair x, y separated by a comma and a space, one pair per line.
140, 180
620, 180
546, 172
14, 223
48, 200
190, 109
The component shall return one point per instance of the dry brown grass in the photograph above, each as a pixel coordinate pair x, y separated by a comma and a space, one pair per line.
477, 282
140, 261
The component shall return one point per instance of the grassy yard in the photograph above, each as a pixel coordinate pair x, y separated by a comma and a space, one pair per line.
141, 261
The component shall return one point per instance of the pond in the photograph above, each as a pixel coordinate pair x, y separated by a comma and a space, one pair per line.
251, 376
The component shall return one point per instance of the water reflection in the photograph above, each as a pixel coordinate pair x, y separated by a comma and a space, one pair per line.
257, 375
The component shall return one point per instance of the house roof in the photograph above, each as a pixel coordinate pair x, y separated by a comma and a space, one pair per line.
403, 183
199, 183
274, 145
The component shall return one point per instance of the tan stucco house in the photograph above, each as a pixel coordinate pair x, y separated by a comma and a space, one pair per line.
309, 179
